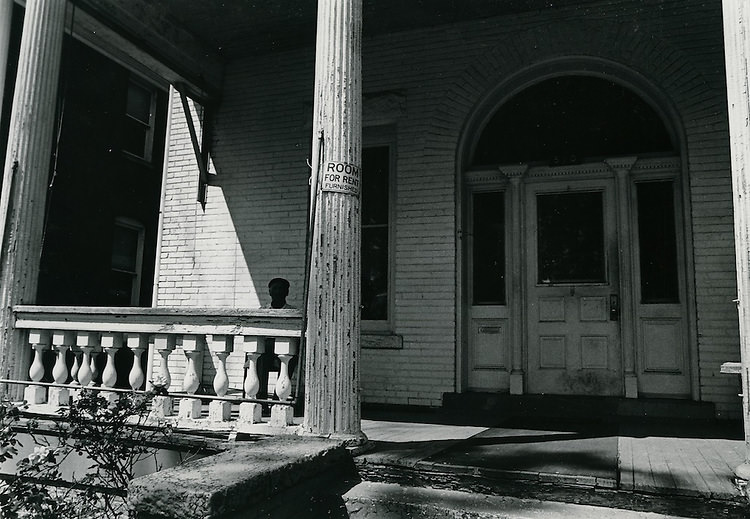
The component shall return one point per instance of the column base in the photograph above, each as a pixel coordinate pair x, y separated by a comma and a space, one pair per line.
190, 409
250, 413
35, 395
219, 411
161, 407
59, 396
516, 383
631, 386
282, 415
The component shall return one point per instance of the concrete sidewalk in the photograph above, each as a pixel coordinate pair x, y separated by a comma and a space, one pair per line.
682, 467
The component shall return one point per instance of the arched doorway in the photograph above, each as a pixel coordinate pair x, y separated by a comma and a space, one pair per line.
575, 277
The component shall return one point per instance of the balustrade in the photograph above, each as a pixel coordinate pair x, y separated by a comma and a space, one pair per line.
230, 341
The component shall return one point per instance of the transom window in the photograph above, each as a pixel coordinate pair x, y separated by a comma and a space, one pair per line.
571, 120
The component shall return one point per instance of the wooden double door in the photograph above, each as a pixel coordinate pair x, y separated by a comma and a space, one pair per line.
578, 287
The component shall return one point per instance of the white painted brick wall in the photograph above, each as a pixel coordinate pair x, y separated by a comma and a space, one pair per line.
253, 227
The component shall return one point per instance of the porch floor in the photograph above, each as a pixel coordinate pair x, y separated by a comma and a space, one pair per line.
676, 466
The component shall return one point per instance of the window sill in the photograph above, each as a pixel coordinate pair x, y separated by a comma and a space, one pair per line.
381, 341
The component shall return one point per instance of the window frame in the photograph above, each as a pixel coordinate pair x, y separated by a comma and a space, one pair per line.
376, 137
137, 274
148, 145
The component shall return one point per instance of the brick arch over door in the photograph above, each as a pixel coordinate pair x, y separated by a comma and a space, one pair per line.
692, 107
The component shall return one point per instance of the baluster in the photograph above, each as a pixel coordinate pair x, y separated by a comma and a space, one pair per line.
75, 370
250, 412
94, 365
110, 343
161, 405
221, 346
137, 343
192, 346
61, 342
87, 342
286, 348
39, 341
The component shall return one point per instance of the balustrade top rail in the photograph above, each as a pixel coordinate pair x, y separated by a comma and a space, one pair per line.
178, 320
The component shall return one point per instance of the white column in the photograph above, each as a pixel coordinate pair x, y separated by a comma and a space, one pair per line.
737, 53
26, 172
332, 396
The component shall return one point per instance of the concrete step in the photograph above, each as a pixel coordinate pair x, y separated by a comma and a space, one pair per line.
498, 407
369, 500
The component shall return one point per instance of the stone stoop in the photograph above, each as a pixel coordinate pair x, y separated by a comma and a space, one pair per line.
369, 500
277, 477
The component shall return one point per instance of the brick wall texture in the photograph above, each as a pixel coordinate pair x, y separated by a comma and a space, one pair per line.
253, 226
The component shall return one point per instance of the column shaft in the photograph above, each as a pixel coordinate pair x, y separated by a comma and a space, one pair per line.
26, 173
737, 53
332, 393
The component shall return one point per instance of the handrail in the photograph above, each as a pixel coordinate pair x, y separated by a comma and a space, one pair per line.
178, 320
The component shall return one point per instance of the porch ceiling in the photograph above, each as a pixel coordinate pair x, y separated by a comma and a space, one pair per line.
235, 27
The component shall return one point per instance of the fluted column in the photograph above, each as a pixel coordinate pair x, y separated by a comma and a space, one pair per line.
6, 16
332, 396
737, 52
27, 166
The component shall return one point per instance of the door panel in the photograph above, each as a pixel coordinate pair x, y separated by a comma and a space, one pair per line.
572, 289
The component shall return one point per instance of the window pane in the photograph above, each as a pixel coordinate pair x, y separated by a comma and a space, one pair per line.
375, 273
658, 242
124, 248
375, 172
488, 250
134, 136
570, 238
139, 103
120, 291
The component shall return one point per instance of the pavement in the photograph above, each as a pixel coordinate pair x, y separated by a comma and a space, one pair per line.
672, 467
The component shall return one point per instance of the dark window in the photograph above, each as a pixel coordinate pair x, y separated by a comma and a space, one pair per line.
127, 257
657, 242
568, 120
488, 249
375, 230
570, 238
137, 126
